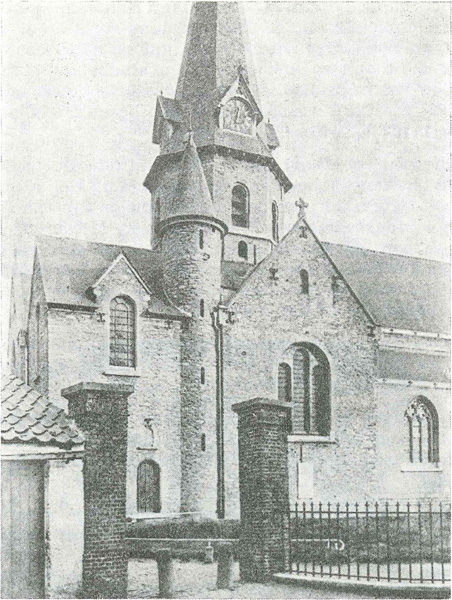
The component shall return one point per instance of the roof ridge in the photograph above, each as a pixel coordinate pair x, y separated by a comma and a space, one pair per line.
57, 237
443, 262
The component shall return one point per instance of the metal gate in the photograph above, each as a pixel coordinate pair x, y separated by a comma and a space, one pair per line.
23, 538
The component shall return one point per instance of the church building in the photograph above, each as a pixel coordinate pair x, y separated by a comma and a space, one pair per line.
221, 308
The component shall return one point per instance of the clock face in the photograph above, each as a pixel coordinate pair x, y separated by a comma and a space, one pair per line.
238, 116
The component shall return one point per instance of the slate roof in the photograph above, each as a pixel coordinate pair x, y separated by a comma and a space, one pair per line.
399, 291
413, 366
27, 416
69, 267
233, 274
192, 193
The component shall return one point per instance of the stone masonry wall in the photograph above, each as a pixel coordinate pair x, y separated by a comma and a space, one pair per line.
192, 275
272, 314
79, 350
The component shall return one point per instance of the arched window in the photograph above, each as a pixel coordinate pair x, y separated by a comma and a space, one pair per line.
275, 226
122, 332
284, 383
148, 487
304, 281
243, 250
240, 206
310, 388
423, 431
201, 239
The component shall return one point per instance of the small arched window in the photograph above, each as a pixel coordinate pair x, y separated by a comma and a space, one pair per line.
423, 431
201, 308
240, 206
275, 225
201, 239
304, 281
122, 332
243, 250
148, 487
284, 383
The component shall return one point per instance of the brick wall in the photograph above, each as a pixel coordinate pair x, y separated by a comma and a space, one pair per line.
100, 410
263, 426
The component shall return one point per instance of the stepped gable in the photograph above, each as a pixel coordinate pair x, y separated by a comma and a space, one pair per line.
27, 416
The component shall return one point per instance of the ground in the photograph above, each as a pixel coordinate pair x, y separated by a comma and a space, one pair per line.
197, 580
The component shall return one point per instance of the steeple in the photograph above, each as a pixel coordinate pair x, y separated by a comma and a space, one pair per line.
217, 29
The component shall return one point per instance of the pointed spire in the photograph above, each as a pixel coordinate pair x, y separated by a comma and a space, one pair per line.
192, 193
216, 50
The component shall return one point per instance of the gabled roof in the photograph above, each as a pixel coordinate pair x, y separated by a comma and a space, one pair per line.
70, 267
402, 292
27, 416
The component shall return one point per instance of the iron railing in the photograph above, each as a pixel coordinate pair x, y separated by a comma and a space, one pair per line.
372, 542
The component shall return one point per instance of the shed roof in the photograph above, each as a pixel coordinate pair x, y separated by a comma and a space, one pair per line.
27, 416
398, 291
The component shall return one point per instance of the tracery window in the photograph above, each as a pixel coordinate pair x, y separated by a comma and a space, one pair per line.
423, 431
240, 206
122, 332
304, 378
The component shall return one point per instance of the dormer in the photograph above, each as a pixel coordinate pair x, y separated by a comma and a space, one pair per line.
169, 115
238, 110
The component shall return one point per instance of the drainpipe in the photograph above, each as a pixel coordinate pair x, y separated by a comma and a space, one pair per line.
218, 329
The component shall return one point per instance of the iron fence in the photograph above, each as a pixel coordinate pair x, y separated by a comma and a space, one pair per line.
372, 542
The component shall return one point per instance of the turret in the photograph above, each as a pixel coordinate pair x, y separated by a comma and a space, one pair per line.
191, 248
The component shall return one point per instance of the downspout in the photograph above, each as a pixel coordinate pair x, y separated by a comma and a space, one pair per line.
218, 329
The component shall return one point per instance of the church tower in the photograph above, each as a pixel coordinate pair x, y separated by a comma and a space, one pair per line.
216, 197
217, 97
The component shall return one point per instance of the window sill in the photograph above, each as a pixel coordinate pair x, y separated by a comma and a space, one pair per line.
422, 468
123, 371
311, 439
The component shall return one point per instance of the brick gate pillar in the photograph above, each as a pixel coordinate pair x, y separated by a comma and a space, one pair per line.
263, 426
100, 410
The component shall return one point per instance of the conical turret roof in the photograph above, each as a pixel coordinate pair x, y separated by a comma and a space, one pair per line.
192, 195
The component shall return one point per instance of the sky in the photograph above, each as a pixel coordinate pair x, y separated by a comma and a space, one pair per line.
357, 91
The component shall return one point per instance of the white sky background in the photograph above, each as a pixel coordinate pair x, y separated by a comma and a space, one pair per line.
358, 93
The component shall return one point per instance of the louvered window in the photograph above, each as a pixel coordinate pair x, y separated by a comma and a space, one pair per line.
240, 206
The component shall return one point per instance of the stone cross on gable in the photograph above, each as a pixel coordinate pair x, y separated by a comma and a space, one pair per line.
302, 206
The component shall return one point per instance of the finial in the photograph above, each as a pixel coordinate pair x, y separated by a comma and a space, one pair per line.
189, 138
302, 206
161, 92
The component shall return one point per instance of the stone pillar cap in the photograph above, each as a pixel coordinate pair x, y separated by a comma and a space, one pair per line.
260, 402
123, 389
